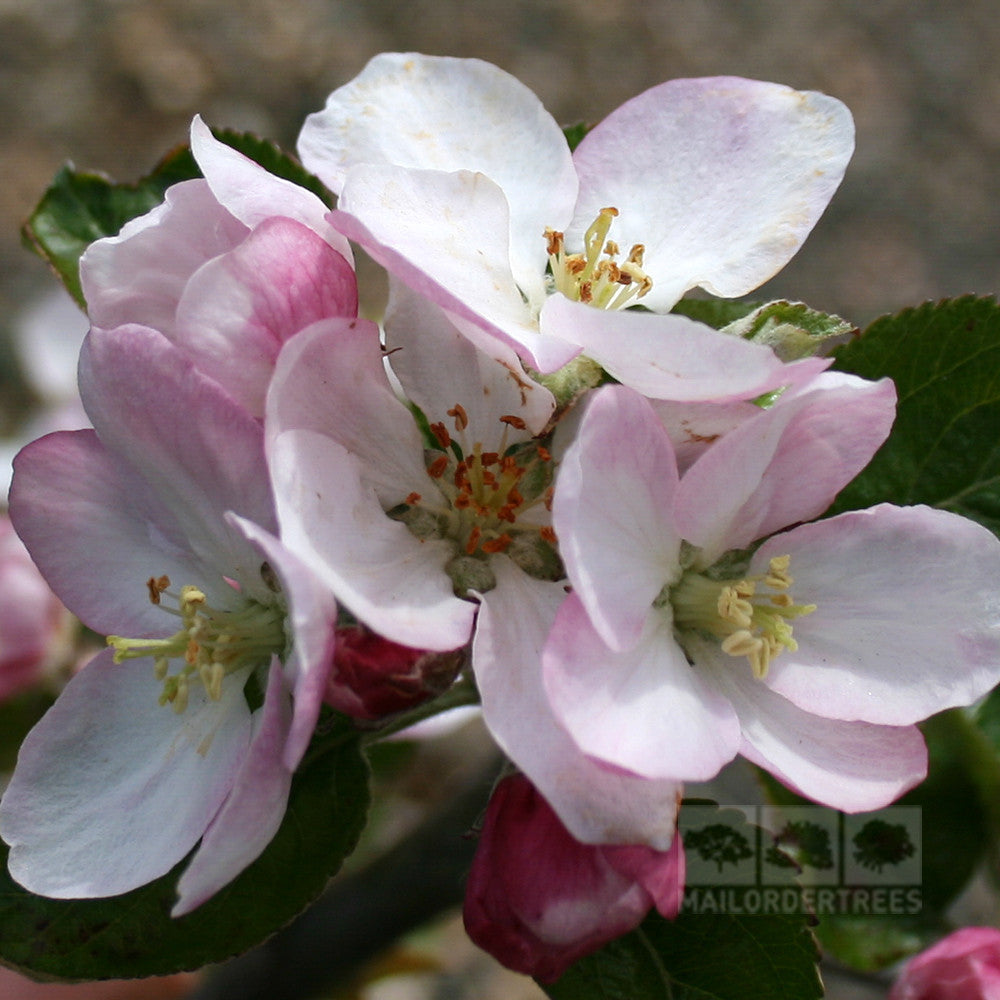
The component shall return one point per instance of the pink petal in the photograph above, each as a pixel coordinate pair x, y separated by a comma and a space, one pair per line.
252, 812
139, 275
199, 453
644, 710
253, 194
612, 513
720, 178
598, 804
311, 623
853, 766
331, 379
111, 789
240, 307
92, 527
388, 578
754, 475
906, 622
671, 357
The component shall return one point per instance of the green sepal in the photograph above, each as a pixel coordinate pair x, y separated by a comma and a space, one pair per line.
792, 329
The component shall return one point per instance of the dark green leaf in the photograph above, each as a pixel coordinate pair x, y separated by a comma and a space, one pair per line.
81, 207
133, 935
944, 449
717, 948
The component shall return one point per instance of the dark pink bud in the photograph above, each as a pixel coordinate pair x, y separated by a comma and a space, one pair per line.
538, 900
962, 966
373, 677
34, 626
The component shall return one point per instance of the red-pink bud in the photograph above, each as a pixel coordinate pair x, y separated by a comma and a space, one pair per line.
538, 900
962, 966
373, 677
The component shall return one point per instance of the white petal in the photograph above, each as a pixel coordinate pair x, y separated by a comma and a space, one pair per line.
439, 113
330, 379
254, 809
111, 789
445, 235
671, 357
439, 367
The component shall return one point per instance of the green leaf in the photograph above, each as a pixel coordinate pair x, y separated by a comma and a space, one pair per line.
944, 449
133, 935
715, 313
705, 954
575, 133
80, 207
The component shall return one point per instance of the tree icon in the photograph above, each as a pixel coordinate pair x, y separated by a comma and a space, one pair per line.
801, 844
879, 844
720, 843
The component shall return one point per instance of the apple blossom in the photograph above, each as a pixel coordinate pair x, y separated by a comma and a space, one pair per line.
227, 268
410, 532
538, 900
150, 522
964, 965
679, 649
453, 176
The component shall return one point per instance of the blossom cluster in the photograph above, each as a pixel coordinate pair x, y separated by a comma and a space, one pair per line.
534, 473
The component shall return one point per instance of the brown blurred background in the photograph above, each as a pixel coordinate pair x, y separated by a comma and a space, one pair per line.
112, 84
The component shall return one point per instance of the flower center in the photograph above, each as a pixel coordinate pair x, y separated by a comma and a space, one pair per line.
211, 643
596, 276
480, 501
751, 616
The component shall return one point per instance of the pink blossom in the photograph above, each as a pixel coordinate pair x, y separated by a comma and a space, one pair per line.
815, 655
538, 900
454, 177
34, 626
964, 965
228, 268
162, 511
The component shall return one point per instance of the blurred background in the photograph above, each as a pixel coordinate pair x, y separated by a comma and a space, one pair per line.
112, 85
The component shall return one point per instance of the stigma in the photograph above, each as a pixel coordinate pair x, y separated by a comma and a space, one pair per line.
751, 616
597, 276
211, 644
